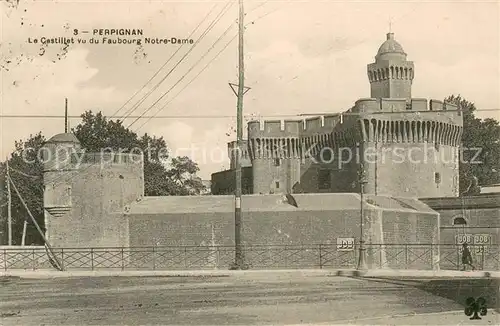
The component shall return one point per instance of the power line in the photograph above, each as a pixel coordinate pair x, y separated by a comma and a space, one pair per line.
207, 30
192, 79
214, 22
218, 116
166, 62
129, 112
184, 75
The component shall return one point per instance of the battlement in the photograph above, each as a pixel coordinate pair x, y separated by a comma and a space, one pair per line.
436, 105
368, 105
365, 106
293, 128
231, 149
274, 128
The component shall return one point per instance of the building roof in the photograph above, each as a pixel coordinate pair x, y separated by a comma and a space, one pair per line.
269, 203
64, 138
390, 46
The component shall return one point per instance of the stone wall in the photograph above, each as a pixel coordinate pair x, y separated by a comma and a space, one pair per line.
95, 192
481, 214
208, 221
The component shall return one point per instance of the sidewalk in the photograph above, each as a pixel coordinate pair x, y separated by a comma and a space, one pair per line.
379, 273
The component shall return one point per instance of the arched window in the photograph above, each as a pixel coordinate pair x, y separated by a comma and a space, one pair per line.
459, 221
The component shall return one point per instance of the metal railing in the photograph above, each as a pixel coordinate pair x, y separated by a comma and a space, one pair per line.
394, 256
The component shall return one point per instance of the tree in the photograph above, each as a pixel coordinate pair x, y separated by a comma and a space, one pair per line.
479, 159
95, 134
183, 175
26, 168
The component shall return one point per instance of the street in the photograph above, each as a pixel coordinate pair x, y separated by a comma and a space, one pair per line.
222, 300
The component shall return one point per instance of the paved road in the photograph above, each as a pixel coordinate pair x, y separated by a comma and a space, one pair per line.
221, 300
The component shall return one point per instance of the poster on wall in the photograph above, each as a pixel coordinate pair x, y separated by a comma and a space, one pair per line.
478, 242
345, 244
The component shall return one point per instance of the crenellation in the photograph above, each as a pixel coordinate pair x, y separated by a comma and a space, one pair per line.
293, 127
253, 127
450, 106
393, 104
367, 105
436, 105
388, 120
313, 123
331, 121
272, 126
419, 104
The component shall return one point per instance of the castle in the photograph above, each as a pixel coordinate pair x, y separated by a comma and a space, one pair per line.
97, 199
404, 146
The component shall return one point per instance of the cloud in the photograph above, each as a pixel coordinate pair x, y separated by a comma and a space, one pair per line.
39, 87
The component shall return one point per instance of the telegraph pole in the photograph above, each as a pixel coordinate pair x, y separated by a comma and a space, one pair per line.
239, 259
362, 250
66, 115
9, 204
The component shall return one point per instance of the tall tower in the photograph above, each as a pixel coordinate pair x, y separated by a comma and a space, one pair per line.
391, 75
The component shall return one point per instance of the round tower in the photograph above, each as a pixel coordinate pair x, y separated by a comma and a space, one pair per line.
57, 171
391, 75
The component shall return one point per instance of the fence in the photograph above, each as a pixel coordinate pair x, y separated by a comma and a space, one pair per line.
396, 256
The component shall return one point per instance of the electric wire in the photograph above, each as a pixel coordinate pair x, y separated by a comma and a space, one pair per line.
183, 76
192, 80
207, 30
214, 22
166, 62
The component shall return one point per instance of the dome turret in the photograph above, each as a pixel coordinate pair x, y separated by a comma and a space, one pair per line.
391, 75
64, 138
390, 49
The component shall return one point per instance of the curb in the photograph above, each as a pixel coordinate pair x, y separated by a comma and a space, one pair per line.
410, 274
50, 274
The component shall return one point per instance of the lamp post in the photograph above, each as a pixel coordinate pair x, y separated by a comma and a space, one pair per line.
362, 250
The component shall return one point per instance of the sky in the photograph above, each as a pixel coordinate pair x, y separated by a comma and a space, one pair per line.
300, 57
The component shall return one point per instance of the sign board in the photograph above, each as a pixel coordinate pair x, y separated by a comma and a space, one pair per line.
478, 242
345, 244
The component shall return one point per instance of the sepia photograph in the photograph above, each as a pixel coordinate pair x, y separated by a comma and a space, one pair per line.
249, 162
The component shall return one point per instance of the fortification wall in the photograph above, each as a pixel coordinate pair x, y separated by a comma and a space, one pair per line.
413, 170
400, 127
93, 193
286, 227
381, 105
224, 182
481, 214
275, 175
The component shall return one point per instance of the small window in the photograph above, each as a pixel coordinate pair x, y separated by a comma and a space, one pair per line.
408, 106
437, 177
277, 184
459, 221
277, 162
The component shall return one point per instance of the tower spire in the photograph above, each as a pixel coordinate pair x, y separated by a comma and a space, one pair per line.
66, 115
